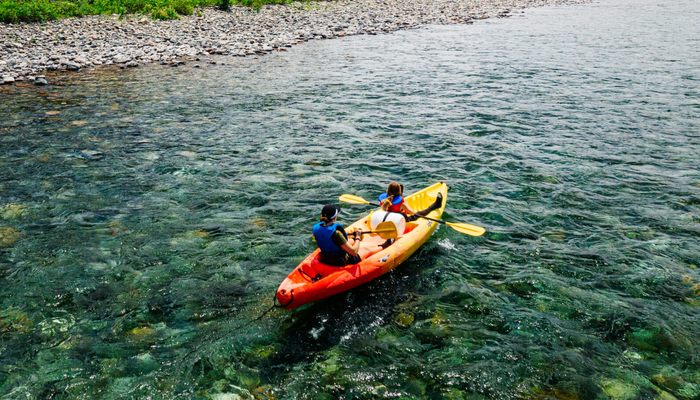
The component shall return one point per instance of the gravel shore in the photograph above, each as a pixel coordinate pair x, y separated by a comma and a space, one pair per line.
27, 50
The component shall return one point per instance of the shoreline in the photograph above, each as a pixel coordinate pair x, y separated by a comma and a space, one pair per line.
28, 51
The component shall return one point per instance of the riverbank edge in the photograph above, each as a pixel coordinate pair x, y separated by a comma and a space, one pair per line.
75, 44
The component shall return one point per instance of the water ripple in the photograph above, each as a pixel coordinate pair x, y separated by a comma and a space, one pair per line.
146, 217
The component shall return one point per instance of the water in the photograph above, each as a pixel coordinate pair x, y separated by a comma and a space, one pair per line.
147, 217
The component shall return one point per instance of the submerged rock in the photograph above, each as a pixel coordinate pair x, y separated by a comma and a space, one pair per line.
8, 236
439, 319
664, 395
632, 356
555, 393
116, 227
555, 236
214, 230
201, 234
56, 328
668, 379
243, 376
689, 390
259, 355
146, 362
454, 394
264, 393
13, 320
618, 390
12, 211
259, 223
90, 155
656, 339
317, 163
236, 394
404, 319
332, 364
141, 331
43, 157
112, 366
696, 289
187, 154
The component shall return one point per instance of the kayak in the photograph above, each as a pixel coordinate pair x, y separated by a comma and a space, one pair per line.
313, 280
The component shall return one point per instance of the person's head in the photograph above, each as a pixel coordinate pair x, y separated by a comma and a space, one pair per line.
329, 213
394, 189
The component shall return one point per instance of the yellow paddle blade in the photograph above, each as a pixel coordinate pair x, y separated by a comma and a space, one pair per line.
352, 199
467, 229
386, 230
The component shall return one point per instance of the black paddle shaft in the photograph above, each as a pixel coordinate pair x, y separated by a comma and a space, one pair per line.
419, 216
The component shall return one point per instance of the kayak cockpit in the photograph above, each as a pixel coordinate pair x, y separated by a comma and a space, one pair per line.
313, 270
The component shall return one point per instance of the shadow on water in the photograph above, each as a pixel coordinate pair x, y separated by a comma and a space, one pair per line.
355, 315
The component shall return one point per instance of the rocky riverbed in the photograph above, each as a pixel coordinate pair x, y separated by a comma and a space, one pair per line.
27, 50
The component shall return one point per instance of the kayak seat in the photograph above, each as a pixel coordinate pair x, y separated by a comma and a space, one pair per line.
309, 273
409, 227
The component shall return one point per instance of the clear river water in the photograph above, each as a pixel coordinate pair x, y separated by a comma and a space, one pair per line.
148, 215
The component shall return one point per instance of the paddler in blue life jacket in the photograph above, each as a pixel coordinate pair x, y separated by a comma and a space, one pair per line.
333, 241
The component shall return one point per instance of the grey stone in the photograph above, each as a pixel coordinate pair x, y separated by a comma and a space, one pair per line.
71, 66
121, 58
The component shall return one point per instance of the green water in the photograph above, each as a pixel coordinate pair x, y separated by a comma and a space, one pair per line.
147, 217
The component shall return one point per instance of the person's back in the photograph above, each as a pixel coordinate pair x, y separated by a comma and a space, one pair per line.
330, 248
333, 240
392, 199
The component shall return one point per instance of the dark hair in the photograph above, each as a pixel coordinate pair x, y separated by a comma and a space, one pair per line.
395, 189
329, 212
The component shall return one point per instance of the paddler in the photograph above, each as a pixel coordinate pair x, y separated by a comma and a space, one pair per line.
335, 244
392, 201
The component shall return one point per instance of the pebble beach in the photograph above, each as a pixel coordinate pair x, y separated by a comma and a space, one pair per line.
27, 51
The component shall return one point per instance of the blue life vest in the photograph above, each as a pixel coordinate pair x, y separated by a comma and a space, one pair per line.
324, 238
396, 200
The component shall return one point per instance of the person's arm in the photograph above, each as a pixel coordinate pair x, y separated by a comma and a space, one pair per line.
340, 240
406, 208
352, 250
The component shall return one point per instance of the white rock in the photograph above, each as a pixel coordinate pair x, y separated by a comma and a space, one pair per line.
121, 58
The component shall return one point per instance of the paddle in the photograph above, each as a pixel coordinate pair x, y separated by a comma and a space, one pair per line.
460, 227
385, 230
